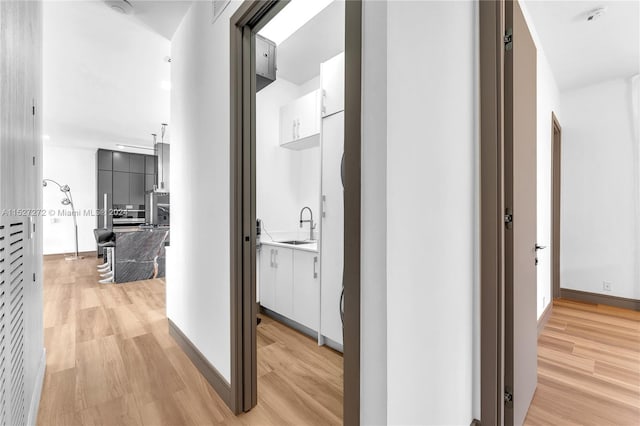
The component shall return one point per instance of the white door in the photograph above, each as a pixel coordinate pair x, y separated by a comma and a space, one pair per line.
332, 227
267, 277
306, 288
284, 281
332, 83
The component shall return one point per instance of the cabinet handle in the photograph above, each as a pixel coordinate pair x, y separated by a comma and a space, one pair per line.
324, 205
294, 129
315, 263
271, 258
298, 128
275, 262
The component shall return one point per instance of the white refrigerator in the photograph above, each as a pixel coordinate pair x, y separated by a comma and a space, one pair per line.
332, 193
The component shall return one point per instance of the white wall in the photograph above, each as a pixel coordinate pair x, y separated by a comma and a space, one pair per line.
598, 212
287, 180
198, 298
75, 167
431, 179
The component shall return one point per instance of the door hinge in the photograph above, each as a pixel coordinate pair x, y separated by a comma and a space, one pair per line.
33, 110
508, 397
508, 218
508, 39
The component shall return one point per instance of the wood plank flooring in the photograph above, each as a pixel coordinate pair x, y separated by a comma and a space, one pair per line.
111, 361
588, 367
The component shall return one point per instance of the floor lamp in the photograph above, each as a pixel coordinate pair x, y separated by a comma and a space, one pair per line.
68, 201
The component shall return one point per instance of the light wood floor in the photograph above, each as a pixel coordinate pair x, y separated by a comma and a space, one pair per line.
111, 361
588, 367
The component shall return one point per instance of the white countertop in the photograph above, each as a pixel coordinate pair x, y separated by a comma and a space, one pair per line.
312, 247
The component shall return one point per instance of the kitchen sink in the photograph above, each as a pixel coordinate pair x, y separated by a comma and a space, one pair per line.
296, 242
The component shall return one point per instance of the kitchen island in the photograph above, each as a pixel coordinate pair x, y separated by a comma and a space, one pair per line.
140, 253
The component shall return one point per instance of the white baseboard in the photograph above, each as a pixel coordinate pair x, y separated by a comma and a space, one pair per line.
37, 391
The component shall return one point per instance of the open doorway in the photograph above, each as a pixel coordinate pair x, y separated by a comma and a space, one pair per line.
300, 262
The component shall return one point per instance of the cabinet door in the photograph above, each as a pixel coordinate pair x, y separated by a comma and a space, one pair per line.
121, 188
136, 188
307, 117
105, 186
332, 227
306, 288
136, 163
267, 278
332, 85
105, 160
287, 124
284, 281
150, 164
120, 161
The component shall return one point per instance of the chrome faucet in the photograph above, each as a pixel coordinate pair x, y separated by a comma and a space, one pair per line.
312, 226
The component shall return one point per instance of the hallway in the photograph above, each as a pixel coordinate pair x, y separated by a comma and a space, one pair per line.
111, 361
588, 367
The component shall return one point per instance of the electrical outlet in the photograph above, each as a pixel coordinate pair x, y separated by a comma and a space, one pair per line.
607, 286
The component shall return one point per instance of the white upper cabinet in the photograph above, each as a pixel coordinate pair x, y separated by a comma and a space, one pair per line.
332, 85
300, 122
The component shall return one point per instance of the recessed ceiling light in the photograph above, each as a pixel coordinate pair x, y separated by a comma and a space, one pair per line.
46, 137
596, 14
165, 85
120, 146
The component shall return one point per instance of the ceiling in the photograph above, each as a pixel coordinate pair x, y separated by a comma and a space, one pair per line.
103, 77
582, 53
299, 56
161, 16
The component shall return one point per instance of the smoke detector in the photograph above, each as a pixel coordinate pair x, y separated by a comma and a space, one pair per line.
596, 14
120, 6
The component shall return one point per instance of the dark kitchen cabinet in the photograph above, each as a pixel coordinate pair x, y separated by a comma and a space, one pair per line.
105, 186
105, 160
121, 187
136, 163
150, 164
136, 188
125, 178
121, 161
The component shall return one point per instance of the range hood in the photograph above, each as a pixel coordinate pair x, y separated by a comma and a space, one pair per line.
161, 151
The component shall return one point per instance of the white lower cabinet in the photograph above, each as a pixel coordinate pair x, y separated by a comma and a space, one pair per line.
290, 284
267, 277
284, 281
306, 288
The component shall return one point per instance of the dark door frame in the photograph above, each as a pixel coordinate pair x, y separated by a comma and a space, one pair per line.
556, 179
492, 242
245, 22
